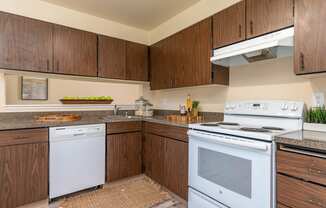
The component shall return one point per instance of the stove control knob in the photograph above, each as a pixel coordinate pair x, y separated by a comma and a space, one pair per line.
284, 107
294, 107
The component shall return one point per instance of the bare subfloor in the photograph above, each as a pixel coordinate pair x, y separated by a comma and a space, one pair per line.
136, 192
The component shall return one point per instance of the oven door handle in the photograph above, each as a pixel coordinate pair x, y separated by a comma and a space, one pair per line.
220, 139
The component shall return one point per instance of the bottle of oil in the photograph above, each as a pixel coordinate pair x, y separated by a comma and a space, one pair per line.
189, 104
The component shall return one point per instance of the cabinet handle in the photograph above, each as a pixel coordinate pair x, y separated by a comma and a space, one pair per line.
313, 171
240, 31
317, 203
302, 62
251, 27
21, 137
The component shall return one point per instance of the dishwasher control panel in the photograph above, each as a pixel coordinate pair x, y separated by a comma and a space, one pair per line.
71, 131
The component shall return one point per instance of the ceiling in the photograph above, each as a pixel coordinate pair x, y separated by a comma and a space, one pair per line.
142, 14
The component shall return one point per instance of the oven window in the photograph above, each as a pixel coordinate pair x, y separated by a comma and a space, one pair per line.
230, 172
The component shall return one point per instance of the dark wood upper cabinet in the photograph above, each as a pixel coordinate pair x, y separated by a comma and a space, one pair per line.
310, 42
25, 44
264, 16
161, 75
75, 52
111, 57
23, 167
202, 71
183, 59
229, 25
136, 61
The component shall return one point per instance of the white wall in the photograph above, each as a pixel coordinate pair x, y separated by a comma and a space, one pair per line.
123, 94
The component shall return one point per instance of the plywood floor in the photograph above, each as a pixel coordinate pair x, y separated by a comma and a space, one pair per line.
138, 192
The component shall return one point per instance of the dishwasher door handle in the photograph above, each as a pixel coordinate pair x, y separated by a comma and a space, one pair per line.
80, 134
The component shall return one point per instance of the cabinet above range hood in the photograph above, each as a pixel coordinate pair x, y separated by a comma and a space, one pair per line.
274, 45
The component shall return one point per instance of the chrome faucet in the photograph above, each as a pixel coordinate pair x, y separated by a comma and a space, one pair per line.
115, 110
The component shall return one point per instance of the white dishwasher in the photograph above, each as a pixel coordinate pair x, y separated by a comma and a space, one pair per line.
77, 158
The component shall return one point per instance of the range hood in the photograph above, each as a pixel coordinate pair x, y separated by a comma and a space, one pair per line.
274, 45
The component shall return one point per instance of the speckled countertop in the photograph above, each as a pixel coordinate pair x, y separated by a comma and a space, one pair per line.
23, 122
306, 139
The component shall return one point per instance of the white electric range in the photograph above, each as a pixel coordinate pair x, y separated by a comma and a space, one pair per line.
232, 163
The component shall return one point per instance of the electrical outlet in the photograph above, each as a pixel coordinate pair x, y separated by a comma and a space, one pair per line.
319, 99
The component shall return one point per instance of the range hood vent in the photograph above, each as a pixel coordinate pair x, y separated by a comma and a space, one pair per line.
274, 45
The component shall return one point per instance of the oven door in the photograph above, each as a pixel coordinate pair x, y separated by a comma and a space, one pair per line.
234, 171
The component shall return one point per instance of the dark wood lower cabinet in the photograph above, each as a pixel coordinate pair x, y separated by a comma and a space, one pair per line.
300, 179
300, 194
165, 159
154, 157
123, 155
176, 167
23, 168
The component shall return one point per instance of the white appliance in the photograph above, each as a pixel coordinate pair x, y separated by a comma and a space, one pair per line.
77, 158
274, 45
231, 163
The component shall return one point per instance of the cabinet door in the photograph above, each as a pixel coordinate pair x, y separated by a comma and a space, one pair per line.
146, 154
154, 157
75, 52
137, 62
229, 25
8, 172
160, 71
123, 155
264, 16
202, 69
176, 167
193, 52
111, 58
23, 174
310, 43
25, 44
155, 67
184, 60
32, 176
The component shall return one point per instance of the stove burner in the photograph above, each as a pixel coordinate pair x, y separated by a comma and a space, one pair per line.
209, 124
254, 129
228, 124
272, 128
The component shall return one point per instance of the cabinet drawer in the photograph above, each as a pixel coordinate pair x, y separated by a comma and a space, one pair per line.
306, 167
174, 132
299, 194
122, 127
25, 136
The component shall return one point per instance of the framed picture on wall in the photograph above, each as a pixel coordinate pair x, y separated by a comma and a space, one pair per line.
33, 88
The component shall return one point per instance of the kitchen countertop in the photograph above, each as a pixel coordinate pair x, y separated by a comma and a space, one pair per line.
306, 139
30, 122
